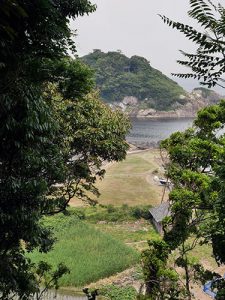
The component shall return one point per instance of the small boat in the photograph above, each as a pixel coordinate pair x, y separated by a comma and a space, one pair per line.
164, 181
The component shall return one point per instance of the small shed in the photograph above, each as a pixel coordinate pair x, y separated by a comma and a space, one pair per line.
158, 213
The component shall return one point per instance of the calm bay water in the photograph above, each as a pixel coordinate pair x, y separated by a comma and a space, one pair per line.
148, 132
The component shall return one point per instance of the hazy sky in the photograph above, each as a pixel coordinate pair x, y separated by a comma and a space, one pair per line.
134, 27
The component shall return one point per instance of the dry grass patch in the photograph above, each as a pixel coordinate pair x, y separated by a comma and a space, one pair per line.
131, 181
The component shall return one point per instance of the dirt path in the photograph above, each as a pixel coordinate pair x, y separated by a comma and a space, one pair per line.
136, 243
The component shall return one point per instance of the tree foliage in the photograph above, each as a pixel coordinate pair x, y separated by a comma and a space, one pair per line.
194, 159
195, 166
40, 29
194, 163
90, 133
161, 280
118, 76
54, 132
208, 63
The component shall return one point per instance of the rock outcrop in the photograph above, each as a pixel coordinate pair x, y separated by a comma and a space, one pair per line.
193, 102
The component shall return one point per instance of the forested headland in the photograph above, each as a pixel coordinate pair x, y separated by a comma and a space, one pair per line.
118, 76
139, 89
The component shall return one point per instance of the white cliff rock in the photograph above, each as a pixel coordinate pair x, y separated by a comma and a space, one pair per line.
130, 100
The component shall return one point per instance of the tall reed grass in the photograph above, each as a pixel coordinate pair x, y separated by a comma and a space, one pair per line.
88, 253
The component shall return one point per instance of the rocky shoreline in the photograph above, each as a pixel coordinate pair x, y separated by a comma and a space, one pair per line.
193, 102
143, 146
152, 114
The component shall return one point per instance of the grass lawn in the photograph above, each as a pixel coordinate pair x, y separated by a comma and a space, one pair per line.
89, 253
129, 225
133, 233
131, 181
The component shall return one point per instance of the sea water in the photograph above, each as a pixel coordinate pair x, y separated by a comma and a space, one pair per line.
149, 132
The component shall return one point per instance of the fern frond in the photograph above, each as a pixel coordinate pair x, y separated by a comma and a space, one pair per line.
188, 31
203, 13
208, 63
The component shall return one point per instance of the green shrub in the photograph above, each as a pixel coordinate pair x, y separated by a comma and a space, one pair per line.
113, 292
140, 212
112, 213
111, 209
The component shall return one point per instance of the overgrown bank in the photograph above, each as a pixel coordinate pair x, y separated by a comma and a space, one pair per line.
89, 253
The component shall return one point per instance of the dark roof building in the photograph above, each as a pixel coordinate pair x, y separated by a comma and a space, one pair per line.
158, 214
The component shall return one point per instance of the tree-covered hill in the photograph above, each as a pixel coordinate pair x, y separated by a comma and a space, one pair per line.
118, 76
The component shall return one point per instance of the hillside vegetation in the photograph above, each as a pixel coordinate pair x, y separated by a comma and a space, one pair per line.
118, 76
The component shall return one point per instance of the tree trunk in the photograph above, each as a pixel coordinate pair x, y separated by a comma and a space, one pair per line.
187, 280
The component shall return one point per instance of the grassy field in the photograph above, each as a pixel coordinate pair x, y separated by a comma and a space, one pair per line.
129, 225
89, 253
129, 232
131, 181
135, 234
110, 236
108, 239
